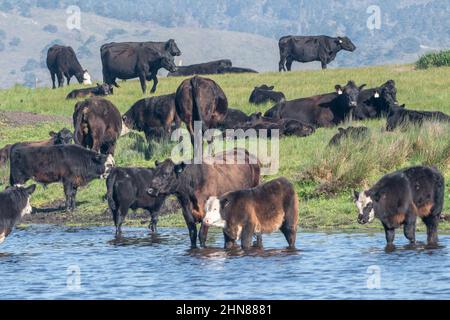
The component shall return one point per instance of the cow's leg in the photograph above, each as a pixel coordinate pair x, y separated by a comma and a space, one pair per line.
97, 139
229, 243
155, 83
324, 64
53, 75
120, 217
432, 222
281, 64
289, 233
258, 242
289, 61
409, 228
60, 77
70, 193
390, 235
68, 78
154, 215
190, 222
202, 235
247, 236
142, 79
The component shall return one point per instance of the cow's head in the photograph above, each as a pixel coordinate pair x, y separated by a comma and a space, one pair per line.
22, 197
134, 118
365, 205
213, 215
172, 48
105, 89
105, 163
63, 136
255, 118
168, 63
86, 78
346, 44
389, 93
165, 177
349, 94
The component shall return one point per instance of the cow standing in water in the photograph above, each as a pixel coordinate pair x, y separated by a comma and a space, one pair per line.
62, 62
399, 198
311, 48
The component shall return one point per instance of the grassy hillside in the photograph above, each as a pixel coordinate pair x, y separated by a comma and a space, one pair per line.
323, 177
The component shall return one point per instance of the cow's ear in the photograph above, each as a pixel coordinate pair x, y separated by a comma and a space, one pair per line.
362, 86
179, 168
52, 134
355, 195
30, 189
338, 88
271, 87
402, 106
341, 130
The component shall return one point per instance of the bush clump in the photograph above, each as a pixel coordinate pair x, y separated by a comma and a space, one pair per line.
434, 59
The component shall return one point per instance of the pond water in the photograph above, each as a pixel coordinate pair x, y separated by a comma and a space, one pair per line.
50, 262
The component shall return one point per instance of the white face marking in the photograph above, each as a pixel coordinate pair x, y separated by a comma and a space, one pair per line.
125, 129
27, 209
340, 41
87, 78
2, 237
376, 95
362, 202
339, 91
212, 216
109, 163
19, 185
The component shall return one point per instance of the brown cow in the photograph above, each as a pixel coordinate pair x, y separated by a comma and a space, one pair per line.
97, 125
193, 184
262, 209
200, 99
64, 136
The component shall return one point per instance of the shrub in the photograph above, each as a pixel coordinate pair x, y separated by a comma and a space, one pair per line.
434, 59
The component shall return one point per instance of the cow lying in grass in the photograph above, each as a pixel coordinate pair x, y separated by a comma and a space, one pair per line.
100, 90
402, 117
400, 197
14, 204
354, 133
264, 93
262, 209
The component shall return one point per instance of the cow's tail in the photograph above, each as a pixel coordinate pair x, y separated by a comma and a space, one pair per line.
110, 181
196, 111
81, 125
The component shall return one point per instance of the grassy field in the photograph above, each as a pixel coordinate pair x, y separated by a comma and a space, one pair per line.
324, 177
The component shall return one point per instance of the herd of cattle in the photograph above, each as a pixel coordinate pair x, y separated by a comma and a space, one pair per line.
228, 195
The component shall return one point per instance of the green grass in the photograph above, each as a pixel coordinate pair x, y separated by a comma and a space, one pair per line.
434, 59
323, 177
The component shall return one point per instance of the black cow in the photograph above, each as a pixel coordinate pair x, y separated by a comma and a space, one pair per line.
212, 67
400, 197
355, 133
63, 136
127, 60
236, 70
155, 116
193, 184
320, 111
103, 89
311, 48
14, 204
62, 61
264, 93
376, 102
126, 188
72, 165
402, 117
234, 118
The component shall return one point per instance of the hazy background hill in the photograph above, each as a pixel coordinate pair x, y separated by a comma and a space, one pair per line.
244, 31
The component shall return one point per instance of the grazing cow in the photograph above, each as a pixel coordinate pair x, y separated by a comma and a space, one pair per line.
14, 204
320, 111
400, 197
402, 117
103, 89
155, 116
212, 67
236, 70
262, 209
72, 165
97, 125
311, 48
376, 102
200, 99
126, 188
355, 133
63, 136
193, 184
128, 60
286, 127
264, 93
62, 61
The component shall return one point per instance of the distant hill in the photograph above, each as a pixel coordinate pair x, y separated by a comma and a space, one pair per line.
246, 31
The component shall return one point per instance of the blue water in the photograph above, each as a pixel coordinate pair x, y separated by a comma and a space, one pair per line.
49, 262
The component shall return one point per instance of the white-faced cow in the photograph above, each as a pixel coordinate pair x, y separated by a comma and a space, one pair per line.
62, 62
311, 48
399, 198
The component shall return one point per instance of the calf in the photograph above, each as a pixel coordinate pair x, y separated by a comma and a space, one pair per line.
14, 204
355, 133
402, 117
72, 165
400, 197
286, 127
264, 93
100, 90
126, 189
234, 118
97, 125
262, 209
155, 116
64, 136
193, 184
